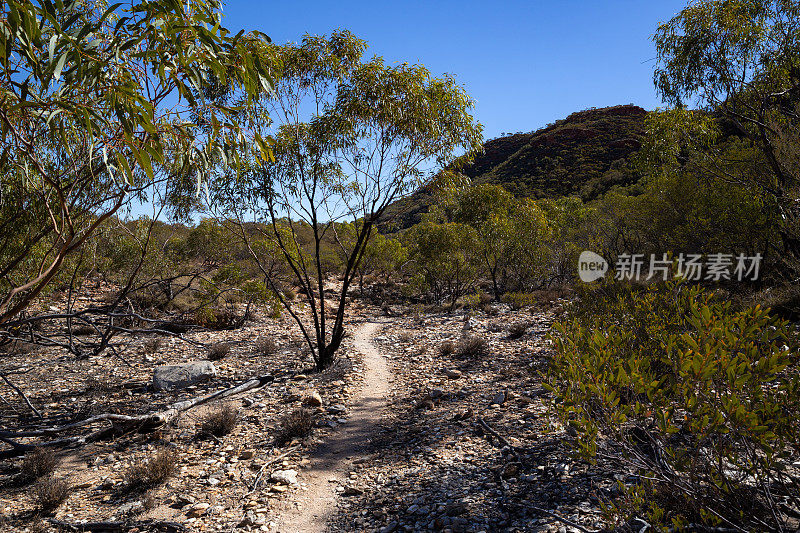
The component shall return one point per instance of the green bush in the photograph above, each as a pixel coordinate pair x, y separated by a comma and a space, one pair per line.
518, 300
699, 401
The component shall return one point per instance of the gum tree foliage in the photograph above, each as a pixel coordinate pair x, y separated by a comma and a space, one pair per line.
384, 256
445, 259
511, 234
99, 102
697, 399
739, 60
351, 135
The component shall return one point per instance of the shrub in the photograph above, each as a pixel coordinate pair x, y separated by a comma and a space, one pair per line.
518, 300
152, 472
218, 318
219, 422
478, 300
698, 400
405, 337
447, 348
518, 330
471, 347
294, 425
218, 350
152, 345
37, 464
265, 346
49, 493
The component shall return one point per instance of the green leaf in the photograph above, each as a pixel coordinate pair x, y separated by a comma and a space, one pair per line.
59, 66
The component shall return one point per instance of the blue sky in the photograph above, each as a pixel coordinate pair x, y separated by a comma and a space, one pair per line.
525, 63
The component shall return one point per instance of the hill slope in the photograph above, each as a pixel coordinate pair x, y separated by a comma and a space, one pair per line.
584, 154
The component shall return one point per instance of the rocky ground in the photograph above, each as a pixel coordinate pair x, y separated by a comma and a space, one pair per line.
220, 483
465, 444
469, 444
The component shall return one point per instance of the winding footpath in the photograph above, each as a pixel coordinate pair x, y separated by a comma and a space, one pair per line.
332, 460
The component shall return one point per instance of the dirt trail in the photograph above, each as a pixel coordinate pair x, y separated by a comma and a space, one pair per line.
332, 460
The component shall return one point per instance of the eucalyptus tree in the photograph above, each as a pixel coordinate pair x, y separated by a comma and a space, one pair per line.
351, 135
98, 103
738, 60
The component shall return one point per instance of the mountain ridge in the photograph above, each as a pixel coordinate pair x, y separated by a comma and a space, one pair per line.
584, 154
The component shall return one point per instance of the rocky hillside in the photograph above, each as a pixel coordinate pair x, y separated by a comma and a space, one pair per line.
584, 154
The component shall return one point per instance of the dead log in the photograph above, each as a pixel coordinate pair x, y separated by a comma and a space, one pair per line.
119, 527
126, 423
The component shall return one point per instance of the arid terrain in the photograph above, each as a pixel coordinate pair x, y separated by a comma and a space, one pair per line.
421, 427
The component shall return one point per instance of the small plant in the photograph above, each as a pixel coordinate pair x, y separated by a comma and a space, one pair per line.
152, 472
220, 421
294, 425
218, 350
218, 318
477, 300
265, 346
405, 338
49, 493
37, 464
518, 330
152, 345
447, 348
471, 347
149, 501
518, 300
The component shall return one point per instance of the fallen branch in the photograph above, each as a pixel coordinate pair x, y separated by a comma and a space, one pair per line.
486, 427
119, 527
21, 394
269, 463
143, 423
560, 518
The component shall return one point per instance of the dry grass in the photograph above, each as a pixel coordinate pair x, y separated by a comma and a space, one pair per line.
471, 347
49, 493
518, 330
153, 472
37, 464
152, 345
294, 425
264, 346
447, 348
218, 350
220, 421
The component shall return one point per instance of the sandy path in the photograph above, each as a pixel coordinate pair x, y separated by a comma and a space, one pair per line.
333, 459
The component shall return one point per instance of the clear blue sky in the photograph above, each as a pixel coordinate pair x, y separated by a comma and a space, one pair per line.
525, 63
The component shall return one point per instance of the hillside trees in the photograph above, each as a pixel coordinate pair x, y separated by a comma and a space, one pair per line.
740, 61
350, 136
445, 259
96, 105
479, 232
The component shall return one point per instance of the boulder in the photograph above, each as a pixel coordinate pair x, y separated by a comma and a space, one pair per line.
170, 377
